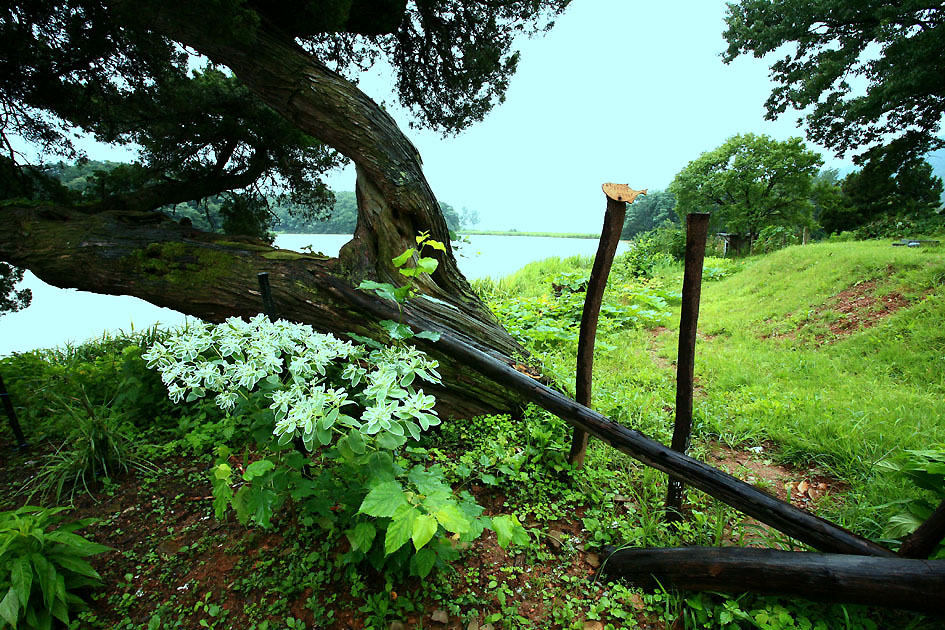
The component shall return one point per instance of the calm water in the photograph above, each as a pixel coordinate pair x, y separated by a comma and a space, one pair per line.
59, 316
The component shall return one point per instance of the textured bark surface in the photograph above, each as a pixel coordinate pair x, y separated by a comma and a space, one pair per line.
892, 582
214, 276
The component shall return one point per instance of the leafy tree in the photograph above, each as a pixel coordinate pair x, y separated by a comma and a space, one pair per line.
273, 110
649, 212
748, 183
832, 47
832, 209
874, 191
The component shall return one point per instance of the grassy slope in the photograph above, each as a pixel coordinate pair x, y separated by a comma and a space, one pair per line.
844, 404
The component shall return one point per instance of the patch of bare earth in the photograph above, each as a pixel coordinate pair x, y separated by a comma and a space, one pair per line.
803, 488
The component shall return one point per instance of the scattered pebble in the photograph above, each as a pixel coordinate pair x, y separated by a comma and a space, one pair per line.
440, 616
593, 559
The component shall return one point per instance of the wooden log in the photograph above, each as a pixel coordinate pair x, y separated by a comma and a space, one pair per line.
11, 418
921, 543
784, 517
892, 582
697, 230
617, 198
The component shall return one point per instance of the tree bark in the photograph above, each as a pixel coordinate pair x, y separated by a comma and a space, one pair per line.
893, 582
214, 276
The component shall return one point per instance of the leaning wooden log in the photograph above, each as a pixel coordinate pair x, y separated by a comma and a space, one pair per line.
784, 517
891, 582
618, 196
922, 542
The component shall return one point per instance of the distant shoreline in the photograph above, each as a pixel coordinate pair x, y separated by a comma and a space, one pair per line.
517, 233
481, 233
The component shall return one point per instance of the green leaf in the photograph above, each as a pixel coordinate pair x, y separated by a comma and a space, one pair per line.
356, 442
402, 293
382, 289
258, 469
390, 441
240, 504
396, 330
422, 562
21, 577
222, 472
384, 500
76, 565
432, 335
450, 517
10, 608
403, 258
361, 536
409, 272
428, 265
424, 527
46, 574
400, 528
436, 245
324, 437
508, 529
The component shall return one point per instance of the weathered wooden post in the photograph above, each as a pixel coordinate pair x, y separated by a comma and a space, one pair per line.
697, 228
618, 196
264, 288
11, 416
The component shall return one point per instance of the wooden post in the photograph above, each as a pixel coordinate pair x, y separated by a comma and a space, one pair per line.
894, 582
743, 496
697, 228
268, 305
618, 196
11, 417
921, 543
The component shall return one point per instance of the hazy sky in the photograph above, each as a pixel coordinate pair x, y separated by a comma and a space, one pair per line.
622, 91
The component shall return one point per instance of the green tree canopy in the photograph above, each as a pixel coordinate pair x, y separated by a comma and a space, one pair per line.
828, 49
648, 212
748, 183
874, 191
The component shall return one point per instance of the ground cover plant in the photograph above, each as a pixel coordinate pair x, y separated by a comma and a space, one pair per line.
813, 383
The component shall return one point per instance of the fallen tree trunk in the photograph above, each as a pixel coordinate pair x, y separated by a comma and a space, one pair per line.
214, 276
893, 582
782, 516
922, 542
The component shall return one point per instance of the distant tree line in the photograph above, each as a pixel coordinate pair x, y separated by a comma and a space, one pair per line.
753, 185
260, 218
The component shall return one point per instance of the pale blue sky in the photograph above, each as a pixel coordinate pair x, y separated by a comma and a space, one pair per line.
620, 90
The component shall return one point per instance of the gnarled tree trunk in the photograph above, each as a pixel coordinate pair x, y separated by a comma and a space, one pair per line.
143, 254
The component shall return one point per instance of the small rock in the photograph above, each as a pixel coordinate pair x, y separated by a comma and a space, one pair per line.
756, 449
473, 625
487, 626
593, 559
619, 498
580, 547
398, 625
555, 537
636, 601
440, 616
593, 625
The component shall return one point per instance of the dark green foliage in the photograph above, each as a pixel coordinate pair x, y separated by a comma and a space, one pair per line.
749, 182
12, 300
773, 238
910, 192
831, 47
652, 249
926, 470
42, 566
648, 212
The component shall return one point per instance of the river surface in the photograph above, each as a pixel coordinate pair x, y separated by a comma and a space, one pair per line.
60, 316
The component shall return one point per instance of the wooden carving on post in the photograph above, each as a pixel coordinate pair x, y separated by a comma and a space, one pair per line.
618, 196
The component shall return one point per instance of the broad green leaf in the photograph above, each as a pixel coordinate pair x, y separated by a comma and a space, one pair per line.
240, 504
508, 529
384, 500
402, 293
21, 577
428, 265
390, 441
222, 471
424, 527
46, 574
428, 334
10, 608
79, 544
409, 272
258, 469
396, 330
400, 528
451, 518
403, 258
436, 245
428, 481
356, 442
382, 289
76, 565
324, 437
361, 536
422, 562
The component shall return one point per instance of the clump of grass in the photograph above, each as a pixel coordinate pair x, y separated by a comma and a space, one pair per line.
99, 446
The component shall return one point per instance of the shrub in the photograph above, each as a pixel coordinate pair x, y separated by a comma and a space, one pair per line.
294, 387
774, 237
42, 565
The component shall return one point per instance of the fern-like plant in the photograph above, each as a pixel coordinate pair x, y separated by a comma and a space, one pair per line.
42, 565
